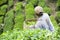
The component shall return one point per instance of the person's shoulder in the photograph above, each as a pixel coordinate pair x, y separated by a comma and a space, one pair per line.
45, 14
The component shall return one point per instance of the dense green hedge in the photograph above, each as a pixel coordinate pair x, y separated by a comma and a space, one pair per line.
58, 3
16, 15
58, 16
1, 19
42, 3
19, 22
1, 22
3, 9
2, 1
54, 22
35, 34
8, 21
47, 10
29, 35
19, 17
33, 2
10, 2
29, 10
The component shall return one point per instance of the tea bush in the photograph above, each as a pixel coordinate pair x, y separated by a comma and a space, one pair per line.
8, 21
33, 2
42, 3
18, 8
36, 34
19, 17
29, 10
54, 22
2, 1
10, 3
1, 22
1, 19
14, 19
3, 9
19, 22
58, 5
58, 17
47, 10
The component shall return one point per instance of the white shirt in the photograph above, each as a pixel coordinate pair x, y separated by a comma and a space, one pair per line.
44, 22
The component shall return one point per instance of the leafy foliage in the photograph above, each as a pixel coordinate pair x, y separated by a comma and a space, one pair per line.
33, 2
10, 2
16, 15
3, 9
2, 1
28, 35
19, 17
47, 10
42, 3
19, 22
8, 21
1, 20
58, 3
18, 8
54, 22
29, 10
58, 17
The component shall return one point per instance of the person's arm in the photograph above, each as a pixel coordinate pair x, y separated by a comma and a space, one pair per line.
34, 19
51, 27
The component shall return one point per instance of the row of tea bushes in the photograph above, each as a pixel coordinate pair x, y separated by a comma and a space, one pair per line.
1, 22
54, 22
32, 34
33, 2
19, 17
29, 35
29, 10
42, 3
11, 17
58, 5
58, 17
3, 9
10, 3
2, 1
1, 19
8, 21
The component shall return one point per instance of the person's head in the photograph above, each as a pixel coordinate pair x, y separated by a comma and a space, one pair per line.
39, 11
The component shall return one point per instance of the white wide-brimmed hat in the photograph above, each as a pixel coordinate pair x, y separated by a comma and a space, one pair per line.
38, 9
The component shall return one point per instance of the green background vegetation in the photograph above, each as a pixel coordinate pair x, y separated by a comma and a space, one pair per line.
14, 12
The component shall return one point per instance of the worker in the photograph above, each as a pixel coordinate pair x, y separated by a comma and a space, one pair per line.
43, 21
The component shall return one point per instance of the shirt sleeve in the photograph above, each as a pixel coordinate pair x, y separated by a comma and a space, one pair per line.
37, 25
51, 27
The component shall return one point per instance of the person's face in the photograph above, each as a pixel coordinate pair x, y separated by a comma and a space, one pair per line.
39, 14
